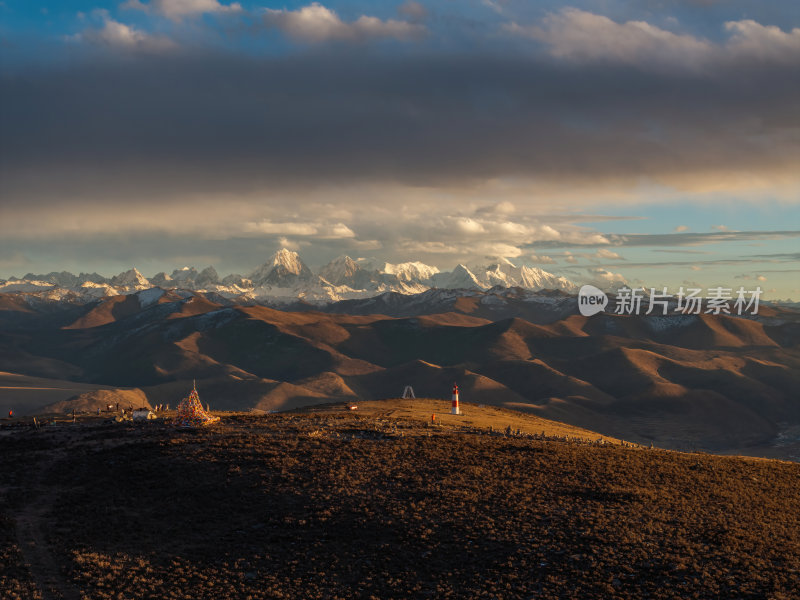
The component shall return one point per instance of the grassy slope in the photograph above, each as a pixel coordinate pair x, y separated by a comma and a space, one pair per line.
344, 504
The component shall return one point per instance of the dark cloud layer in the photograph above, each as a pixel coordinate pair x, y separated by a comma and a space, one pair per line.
178, 124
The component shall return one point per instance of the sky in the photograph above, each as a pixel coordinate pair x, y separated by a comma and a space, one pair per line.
639, 142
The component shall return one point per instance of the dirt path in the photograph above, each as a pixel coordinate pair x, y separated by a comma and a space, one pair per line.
31, 531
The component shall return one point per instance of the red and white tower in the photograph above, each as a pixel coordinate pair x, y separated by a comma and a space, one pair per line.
455, 410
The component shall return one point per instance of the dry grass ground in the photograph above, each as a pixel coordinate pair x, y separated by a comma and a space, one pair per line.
419, 411
363, 504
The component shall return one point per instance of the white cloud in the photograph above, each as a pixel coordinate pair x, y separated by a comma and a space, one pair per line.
547, 233
414, 246
178, 9
468, 226
413, 10
518, 230
118, 35
324, 231
581, 36
461, 251
486, 232
720, 227
495, 5
268, 227
753, 40
288, 244
607, 276
488, 225
492, 223
337, 231
316, 23
681, 228
585, 238
747, 276
499, 249
568, 257
607, 254
542, 259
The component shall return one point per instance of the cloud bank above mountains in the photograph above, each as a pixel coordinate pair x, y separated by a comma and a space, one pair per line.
416, 129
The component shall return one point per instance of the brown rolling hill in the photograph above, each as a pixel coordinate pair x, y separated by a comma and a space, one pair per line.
114, 308
704, 381
108, 311
89, 402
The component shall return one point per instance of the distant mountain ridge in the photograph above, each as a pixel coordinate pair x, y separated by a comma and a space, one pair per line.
285, 278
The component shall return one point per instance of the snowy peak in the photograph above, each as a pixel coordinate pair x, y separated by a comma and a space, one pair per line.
66, 279
289, 260
340, 271
161, 279
504, 263
459, 278
285, 278
284, 269
131, 279
410, 271
537, 279
504, 273
184, 275
207, 277
234, 279
187, 277
62, 279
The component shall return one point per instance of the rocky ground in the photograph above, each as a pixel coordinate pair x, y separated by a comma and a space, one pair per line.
348, 504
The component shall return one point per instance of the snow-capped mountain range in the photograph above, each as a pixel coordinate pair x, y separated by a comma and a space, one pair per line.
285, 278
